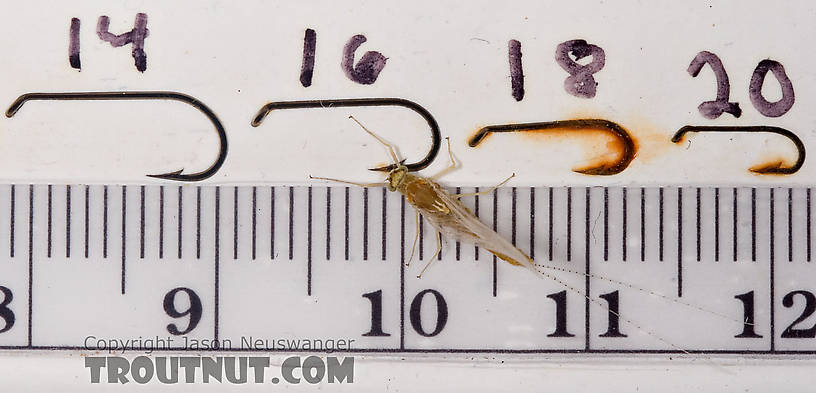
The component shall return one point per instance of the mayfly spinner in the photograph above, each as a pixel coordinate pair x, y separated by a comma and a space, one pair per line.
450, 217
443, 210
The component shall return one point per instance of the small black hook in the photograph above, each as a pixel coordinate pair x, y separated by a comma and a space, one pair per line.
436, 139
606, 169
770, 168
142, 95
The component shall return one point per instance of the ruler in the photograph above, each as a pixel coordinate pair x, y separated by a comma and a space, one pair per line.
685, 269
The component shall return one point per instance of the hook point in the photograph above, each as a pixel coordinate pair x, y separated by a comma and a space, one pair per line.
175, 175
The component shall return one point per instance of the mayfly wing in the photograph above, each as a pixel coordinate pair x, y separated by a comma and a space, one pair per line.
462, 224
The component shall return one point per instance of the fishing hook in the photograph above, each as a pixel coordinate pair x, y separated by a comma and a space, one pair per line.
436, 139
769, 168
141, 95
606, 169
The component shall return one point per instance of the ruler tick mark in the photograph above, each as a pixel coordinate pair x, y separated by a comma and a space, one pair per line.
291, 223
50, 222
660, 224
550, 223
402, 271
309, 244
495, 229
384, 217
104, 221
772, 259
68, 221
532, 223
679, 241
717, 224
217, 270
87, 218
422, 237
198, 222
475, 212
180, 218
753, 225
642, 224
365, 224
235, 223
790, 224
346, 223
625, 206
272, 223
513, 215
587, 207
328, 223
124, 235
808, 224
254, 221
458, 243
606, 224
11, 224
161, 222
699, 231
142, 222
30, 261
735, 225
569, 223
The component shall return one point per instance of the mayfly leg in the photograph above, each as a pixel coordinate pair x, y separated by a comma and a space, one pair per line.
433, 257
391, 149
416, 237
380, 184
485, 192
452, 165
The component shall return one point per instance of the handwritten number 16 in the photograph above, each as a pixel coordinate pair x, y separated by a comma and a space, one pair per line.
713, 109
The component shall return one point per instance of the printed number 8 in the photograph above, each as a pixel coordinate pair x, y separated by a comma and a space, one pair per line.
5, 313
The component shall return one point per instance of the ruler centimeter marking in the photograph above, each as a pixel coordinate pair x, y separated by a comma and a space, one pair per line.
789, 200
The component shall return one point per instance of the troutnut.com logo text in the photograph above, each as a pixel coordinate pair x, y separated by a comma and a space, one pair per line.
222, 369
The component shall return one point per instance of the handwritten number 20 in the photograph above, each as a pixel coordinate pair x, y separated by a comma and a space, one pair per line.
713, 109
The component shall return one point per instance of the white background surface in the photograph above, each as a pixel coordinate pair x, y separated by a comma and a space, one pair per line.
452, 59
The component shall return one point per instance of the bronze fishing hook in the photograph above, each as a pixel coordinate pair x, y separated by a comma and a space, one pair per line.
606, 169
769, 168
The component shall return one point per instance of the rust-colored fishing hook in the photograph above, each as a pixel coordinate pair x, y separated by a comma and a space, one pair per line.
141, 95
436, 139
769, 168
606, 169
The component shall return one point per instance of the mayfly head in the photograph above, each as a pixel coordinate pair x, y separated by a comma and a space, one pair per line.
396, 177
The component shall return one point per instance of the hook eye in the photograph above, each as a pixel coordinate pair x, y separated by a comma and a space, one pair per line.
364, 102
767, 168
141, 95
626, 155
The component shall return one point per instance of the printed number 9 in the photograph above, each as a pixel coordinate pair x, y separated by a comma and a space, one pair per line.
194, 310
